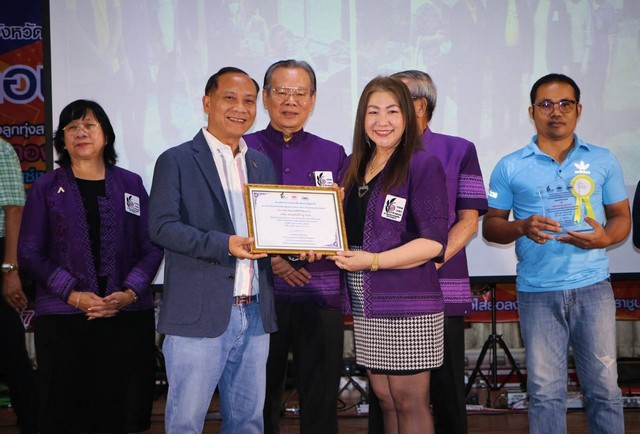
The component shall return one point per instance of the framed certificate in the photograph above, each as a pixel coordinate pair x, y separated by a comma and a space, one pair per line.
290, 219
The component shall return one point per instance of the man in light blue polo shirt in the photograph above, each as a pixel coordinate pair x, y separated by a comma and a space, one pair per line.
569, 204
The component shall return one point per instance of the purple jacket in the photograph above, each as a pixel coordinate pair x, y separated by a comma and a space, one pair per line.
465, 190
54, 244
414, 291
294, 162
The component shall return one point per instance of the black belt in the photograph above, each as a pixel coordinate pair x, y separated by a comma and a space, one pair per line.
239, 300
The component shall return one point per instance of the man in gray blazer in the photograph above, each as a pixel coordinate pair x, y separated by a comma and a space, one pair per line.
217, 306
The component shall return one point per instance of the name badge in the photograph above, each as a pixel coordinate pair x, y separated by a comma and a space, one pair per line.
393, 208
132, 204
323, 178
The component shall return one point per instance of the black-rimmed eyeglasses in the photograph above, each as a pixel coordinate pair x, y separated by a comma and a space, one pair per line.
547, 106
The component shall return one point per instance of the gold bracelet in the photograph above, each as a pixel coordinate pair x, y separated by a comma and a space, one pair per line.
135, 296
374, 265
78, 300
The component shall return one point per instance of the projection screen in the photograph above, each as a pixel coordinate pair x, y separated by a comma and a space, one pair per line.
147, 61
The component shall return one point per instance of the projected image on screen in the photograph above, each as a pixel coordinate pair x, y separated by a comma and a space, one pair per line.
147, 61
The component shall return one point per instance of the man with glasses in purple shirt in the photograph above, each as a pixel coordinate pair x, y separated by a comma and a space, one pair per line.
309, 297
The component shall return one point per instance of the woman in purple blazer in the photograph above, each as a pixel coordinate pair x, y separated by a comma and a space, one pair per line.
396, 217
84, 240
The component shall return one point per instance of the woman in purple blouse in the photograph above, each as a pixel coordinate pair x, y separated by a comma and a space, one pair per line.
396, 216
84, 240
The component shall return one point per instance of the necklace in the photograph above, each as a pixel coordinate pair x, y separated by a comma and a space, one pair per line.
373, 168
362, 190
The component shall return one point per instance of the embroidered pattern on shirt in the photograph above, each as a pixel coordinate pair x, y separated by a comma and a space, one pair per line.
470, 187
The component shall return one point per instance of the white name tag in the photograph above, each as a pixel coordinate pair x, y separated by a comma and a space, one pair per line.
393, 208
323, 178
132, 204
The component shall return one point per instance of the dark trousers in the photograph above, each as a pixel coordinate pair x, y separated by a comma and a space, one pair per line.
315, 336
448, 399
15, 364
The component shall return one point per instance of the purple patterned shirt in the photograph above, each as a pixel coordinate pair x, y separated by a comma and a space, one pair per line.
294, 163
401, 293
55, 248
465, 190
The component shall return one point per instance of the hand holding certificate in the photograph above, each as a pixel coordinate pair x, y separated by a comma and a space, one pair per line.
295, 219
568, 204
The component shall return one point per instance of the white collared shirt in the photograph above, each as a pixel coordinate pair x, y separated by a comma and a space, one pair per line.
233, 175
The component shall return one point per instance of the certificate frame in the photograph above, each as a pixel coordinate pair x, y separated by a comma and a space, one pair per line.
272, 209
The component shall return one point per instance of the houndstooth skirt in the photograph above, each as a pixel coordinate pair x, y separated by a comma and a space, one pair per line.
395, 344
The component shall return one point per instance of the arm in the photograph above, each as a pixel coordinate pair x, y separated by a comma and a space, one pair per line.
497, 228
283, 269
461, 233
167, 229
11, 285
615, 230
144, 270
412, 254
34, 253
427, 202
136, 283
35, 243
11, 201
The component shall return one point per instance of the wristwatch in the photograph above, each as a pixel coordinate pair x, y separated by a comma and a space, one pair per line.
8, 267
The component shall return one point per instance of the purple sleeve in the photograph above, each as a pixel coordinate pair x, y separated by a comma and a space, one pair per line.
34, 245
144, 270
471, 193
343, 169
428, 197
342, 165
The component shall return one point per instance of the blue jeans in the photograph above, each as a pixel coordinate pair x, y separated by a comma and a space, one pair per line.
235, 361
585, 319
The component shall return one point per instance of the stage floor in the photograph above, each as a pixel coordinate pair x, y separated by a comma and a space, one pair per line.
490, 421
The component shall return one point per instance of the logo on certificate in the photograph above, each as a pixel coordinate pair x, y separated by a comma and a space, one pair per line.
323, 178
393, 208
132, 204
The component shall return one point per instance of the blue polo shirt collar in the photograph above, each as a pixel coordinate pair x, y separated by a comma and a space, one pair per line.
532, 147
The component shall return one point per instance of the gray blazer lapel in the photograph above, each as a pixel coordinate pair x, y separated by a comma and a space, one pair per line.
255, 169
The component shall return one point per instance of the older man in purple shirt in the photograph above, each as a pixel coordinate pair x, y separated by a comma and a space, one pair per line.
309, 297
467, 200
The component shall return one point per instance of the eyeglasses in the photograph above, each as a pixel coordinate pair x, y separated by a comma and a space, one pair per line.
89, 128
565, 106
282, 93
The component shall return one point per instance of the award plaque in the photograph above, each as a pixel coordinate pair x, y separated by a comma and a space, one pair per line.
567, 204
294, 219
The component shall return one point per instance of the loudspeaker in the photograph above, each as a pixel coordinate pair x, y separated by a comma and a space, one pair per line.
628, 371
